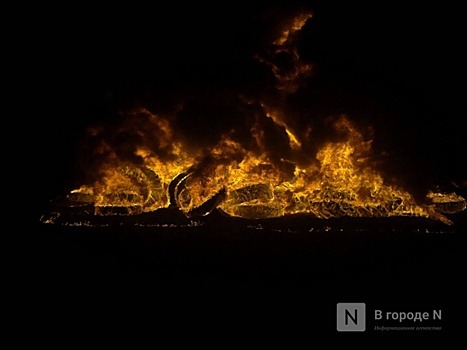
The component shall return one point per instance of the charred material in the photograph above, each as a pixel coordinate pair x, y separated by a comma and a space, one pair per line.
173, 189
208, 206
448, 203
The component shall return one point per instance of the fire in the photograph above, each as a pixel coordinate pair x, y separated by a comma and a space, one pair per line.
248, 179
295, 25
143, 187
246, 183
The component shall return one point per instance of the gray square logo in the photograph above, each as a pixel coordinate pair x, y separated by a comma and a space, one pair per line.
351, 317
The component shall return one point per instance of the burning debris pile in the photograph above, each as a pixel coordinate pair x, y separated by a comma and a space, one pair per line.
261, 168
248, 183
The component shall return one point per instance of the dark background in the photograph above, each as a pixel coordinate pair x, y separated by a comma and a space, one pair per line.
395, 66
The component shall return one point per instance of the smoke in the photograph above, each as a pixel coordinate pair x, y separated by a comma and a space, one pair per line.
198, 116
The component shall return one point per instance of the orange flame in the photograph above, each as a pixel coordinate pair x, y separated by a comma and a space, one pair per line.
248, 184
249, 181
295, 25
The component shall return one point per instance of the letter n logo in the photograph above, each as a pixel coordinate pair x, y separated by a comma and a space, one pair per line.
350, 317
